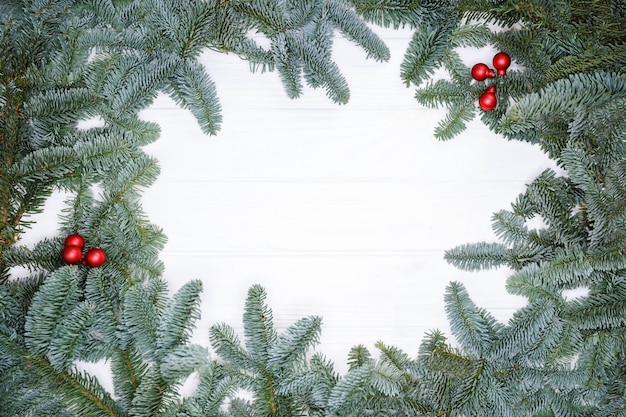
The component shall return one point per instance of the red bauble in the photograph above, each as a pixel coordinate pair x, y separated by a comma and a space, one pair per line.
481, 72
487, 101
75, 240
491, 89
501, 61
95, 257
72, 254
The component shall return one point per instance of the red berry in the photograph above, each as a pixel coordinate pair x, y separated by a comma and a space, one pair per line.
72, 254
75, 240
487, 101
481, 72
501, 61
95, 257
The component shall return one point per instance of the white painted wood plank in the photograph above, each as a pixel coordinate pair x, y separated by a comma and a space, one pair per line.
299, 216
336, 144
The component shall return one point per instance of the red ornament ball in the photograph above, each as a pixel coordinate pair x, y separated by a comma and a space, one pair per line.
95, 257
481, 72
72, 254
491, 89
487, 101
501, 61
75, 240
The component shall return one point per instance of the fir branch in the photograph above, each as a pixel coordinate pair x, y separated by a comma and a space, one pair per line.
182, 361
580, 168
45, 165
394, 357
471, 326
358, 356
442, 93
302, 13
70, 336
143, 307
62, 105
231, 35
11, 131
533, 332
568, 269
612, 260
327, 71
390, 13
455, 122
179, 316
188, 28
600, 311
55, 299
288, 66
134, 86
320, 33
350, 389
563, 97
509, 227
258, 325
80, 393
292, 345
214, 387
457, 69
356, 30
228, 346
268, 17
601, 352
387, 379
525, 283
470, 35
424, 54
607, 58
312, 381
475, 256
192, 88
127, 366
553, 199
150, 394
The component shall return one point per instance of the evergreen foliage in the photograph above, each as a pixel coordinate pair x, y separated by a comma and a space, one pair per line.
548, 40
67, 62
64, 62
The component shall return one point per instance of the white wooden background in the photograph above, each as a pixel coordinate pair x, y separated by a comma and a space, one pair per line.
338, 211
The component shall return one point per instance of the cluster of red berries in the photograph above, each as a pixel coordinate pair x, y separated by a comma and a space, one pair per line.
480, 72
72, 252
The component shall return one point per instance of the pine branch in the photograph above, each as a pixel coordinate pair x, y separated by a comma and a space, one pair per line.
473, 328
442, 93
423, 55
127, 366
12, 102
143, 305
563, 97
228, 346
82, 394
292, 346
356, 30
475, 256
454, 122
214, 387
192, 88
258, 325
179, 316
352, 388
390, 13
